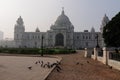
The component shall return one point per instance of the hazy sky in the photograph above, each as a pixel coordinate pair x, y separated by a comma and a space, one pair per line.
42, 13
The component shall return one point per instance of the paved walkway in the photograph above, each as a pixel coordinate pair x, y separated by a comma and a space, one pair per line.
16, 68
76, 67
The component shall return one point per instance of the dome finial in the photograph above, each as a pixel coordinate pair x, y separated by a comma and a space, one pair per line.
62, 10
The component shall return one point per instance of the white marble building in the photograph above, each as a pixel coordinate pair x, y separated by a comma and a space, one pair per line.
61, 34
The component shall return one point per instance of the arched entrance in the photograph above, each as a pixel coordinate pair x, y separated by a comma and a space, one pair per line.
59, 40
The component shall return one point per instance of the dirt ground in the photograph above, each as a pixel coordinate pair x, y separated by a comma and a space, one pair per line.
76, 67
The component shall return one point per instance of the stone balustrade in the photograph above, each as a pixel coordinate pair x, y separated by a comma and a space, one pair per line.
104, 59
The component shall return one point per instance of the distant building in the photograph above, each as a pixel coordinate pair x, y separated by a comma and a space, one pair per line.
61, 34
1, 35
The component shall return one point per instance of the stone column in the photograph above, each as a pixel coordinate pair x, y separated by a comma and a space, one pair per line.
105, 56
95, 53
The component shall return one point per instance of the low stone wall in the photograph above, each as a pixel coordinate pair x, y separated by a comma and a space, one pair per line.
92, 56
105, 59
100, 59
115, 64
88, 52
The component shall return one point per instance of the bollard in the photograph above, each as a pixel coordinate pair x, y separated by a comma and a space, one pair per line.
86, 52
95, 54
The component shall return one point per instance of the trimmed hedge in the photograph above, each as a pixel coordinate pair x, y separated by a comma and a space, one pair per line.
20, 50
36, 51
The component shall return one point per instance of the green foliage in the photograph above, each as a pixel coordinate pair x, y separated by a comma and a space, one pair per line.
20, 50
57, 51
111, 32
36, 51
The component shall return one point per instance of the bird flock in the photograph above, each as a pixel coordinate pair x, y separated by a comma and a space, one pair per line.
48, 65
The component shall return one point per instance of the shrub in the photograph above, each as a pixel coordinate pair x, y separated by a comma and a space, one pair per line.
36, 51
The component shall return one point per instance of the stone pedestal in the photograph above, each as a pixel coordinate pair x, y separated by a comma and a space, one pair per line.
95, 53
86, 52
105, 56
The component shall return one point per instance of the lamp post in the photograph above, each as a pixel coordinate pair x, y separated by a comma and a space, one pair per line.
42, 46
97, 46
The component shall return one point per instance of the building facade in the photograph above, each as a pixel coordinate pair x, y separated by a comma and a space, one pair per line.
61, 34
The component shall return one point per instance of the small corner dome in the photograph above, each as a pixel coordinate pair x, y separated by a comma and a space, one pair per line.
92, 29
20, 21
105, 19
37, 30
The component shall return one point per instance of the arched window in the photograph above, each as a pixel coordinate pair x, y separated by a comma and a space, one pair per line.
83, 37
86, 37
59, 40
77, 37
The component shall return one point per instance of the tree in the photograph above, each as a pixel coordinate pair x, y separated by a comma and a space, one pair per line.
111, 32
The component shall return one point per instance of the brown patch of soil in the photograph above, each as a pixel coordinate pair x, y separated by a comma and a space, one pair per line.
76, 67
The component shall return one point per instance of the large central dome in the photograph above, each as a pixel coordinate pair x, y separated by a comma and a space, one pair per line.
62, 23
62, 19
